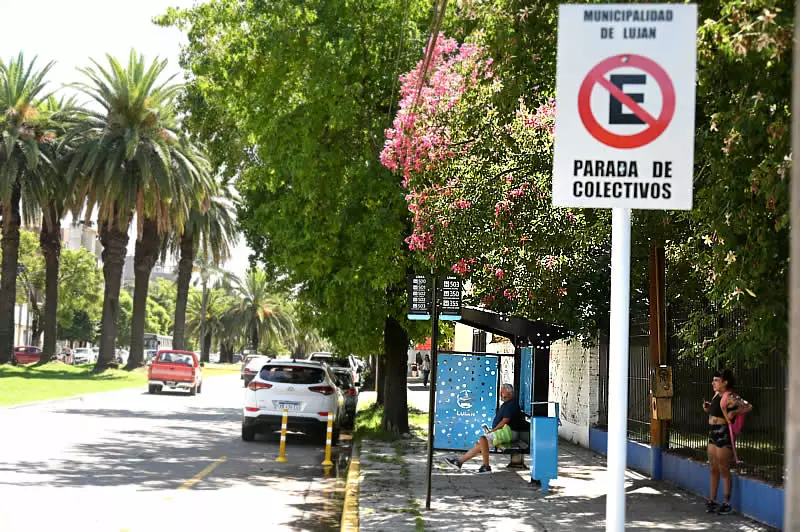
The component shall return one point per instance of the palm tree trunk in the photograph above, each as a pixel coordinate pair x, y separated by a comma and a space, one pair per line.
50, 242
203, 307
206, 347
395, 397
185, 264
148, 248
115, 246
8, 275
254, 334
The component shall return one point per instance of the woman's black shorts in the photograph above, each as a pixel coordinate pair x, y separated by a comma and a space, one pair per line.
720, 436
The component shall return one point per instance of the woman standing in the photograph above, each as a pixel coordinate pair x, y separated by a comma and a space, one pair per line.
426, 370
720, 444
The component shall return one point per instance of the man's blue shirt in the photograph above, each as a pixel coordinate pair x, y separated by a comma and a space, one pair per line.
510, 409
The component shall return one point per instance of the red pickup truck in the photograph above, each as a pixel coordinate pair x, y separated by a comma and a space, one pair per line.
173, 370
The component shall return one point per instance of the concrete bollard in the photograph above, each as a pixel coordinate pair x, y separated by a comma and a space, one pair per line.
328, 441
282, 455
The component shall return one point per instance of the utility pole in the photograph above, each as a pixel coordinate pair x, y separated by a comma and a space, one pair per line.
660, 408
791, 516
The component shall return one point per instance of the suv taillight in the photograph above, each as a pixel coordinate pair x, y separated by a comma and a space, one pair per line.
324, 390
351, 391
254, 385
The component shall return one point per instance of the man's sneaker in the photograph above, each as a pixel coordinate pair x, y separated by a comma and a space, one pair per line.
712, 507
725, 509
484, 469
452, 461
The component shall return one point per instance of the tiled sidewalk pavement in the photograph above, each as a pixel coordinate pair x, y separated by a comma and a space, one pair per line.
393, 496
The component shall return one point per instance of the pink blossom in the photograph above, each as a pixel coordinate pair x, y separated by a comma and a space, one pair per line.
499, 273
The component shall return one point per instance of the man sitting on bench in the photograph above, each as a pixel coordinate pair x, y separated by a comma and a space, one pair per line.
507, 414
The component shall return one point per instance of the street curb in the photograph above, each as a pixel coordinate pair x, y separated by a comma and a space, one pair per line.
350, 517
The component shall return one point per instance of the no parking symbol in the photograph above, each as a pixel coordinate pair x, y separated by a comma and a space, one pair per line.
617, 98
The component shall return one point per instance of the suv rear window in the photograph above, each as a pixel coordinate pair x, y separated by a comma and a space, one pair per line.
292, 374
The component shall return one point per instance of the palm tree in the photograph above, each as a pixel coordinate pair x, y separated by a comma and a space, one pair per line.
260, 312
55, 195
213, 234
22, 135
190, 178
136, 161
208, 316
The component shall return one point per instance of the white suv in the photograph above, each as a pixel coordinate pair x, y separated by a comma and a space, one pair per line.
307, 389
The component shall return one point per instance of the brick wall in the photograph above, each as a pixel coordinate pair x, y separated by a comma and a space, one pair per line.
574, 384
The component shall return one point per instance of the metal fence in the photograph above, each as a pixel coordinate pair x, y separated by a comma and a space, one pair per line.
760, 446
638, 390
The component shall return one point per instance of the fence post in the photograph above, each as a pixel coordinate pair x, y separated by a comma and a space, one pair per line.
658, 356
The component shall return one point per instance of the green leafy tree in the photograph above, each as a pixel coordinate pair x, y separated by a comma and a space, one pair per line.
82, 329
80, 285
23, 123
124, 318
135, 160
163, 292
316, 205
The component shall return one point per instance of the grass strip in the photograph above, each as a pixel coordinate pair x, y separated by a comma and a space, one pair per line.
24, 384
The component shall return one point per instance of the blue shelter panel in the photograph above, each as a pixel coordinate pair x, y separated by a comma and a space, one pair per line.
526, 380
466, 398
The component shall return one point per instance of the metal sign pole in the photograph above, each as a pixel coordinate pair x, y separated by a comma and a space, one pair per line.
432, 396
618, 367
791, 517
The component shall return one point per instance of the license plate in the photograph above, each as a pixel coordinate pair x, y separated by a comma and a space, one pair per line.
289, 405
172, 383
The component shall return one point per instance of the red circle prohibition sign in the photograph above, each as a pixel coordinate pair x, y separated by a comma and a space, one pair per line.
656, 126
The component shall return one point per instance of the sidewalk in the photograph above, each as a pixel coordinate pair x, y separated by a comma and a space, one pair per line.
392, 494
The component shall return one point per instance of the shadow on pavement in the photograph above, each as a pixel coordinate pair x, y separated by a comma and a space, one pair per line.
170, 454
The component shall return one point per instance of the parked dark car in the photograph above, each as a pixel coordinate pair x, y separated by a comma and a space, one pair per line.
344, 379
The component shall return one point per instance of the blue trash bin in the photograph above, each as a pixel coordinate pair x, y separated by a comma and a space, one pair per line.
544, 447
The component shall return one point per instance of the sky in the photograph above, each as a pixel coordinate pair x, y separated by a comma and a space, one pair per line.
70, 32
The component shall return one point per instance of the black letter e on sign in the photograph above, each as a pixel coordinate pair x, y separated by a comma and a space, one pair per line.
615, 114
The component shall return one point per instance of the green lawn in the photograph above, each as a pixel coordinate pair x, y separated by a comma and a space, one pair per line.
23, 384
368, 422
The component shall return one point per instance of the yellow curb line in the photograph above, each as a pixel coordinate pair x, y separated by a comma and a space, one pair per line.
198, 477
350, 520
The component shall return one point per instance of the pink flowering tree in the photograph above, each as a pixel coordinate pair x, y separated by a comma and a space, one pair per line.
478, 188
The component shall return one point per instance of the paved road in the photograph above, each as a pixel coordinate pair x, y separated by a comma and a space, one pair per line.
163, 462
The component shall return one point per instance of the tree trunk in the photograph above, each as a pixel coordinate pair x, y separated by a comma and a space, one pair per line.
50, 242
185, 264
8, 275
225, 354
148, 248
115, 246
206, 347
380, 371
254, 340
203, 307
395, 397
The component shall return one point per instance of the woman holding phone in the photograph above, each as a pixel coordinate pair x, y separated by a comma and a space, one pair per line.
720, 443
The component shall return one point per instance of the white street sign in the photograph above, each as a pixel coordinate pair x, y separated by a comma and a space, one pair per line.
625, 97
